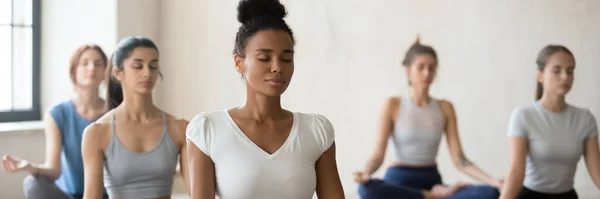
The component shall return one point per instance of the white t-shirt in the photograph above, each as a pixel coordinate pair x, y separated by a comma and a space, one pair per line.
245, 171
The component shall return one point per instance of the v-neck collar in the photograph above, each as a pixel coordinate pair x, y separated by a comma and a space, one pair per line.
283, 147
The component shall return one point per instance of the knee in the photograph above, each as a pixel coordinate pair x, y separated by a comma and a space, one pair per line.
488, 192
368, 190
33, 184
363, 191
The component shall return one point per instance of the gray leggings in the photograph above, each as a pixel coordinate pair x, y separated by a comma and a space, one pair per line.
42, 187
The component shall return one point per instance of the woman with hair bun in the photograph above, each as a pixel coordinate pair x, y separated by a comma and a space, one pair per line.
260, 150
414, 124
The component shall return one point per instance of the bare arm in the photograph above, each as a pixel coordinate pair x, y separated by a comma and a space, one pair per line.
592, 158
328, 179
92, 161
202, 173
516, 174
386, 122
51, 167
183, 158
458, 157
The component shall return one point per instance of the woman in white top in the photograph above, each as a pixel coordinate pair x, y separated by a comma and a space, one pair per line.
260, 150
549, 136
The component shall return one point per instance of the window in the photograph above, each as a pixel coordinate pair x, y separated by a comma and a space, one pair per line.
19, 60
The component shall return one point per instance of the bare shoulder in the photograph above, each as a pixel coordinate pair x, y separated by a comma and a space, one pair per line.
393, 102
445, 104
447, 107
98, 132
177, 126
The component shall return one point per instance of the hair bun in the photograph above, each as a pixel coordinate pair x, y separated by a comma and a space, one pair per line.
418, 40
251, 9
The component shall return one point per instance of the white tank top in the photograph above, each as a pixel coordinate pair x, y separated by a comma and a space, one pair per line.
245, 171
417, 133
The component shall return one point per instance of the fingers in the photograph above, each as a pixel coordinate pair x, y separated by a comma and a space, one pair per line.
360, 177
8, 167
9, 164
5, 166
9, 158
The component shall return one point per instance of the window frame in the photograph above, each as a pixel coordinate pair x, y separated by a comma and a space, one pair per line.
34, 113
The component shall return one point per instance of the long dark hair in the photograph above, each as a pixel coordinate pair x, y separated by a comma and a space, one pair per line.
114, 92
542, 61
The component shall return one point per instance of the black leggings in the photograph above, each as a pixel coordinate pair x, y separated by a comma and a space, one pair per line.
531, 194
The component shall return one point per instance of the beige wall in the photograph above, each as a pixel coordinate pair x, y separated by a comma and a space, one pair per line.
348, 57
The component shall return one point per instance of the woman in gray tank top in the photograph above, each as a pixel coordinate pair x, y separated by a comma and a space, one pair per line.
414, 124
135, 147
549, 136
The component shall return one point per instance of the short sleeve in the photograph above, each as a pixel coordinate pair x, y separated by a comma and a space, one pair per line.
593, 125
58, 115
516, 125
325, 132
200, 132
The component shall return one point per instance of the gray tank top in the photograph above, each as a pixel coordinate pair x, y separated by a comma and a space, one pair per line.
417, 133
150, 174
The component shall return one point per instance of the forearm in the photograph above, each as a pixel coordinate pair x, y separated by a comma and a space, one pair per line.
45, 170
476, 173
372, 165
512, 186
467, 167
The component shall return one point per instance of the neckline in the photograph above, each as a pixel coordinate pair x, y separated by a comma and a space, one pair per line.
411, 102
539, 104
160, 140
241, 133
72, 103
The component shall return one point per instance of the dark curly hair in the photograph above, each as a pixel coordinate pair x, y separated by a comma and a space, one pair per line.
257, 15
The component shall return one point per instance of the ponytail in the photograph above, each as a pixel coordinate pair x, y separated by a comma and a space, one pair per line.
114, 91
539, 90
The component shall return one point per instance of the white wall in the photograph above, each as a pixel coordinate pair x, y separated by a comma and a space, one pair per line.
348, 62
66, 25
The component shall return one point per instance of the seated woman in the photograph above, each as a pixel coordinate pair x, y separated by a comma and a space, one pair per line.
415, 124
549, 136
61, 176
137, 143
260, 150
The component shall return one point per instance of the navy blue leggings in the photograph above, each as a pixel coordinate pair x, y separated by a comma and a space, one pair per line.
405, 182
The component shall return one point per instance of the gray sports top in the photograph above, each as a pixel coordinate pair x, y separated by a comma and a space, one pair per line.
150, 174
556, 143
417, 132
